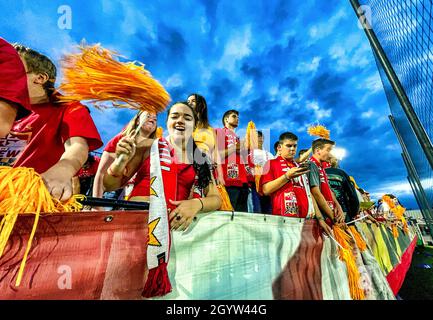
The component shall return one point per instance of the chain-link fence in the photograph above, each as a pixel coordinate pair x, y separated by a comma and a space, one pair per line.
404, 29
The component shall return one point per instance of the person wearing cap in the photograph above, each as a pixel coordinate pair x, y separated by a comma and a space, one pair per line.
14, 95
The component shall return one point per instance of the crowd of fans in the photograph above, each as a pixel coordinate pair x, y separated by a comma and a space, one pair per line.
203, 168
309, 184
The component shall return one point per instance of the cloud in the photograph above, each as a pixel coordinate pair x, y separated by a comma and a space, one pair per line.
373, 84
393, 147
319, 113
367, 114
47, 38
135, 20
273, 91
288, 99
353, 52
324, 29
307, 67
174, 81
236, 48
247, 88
398, 188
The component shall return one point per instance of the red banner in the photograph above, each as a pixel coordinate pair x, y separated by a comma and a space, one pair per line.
89, 255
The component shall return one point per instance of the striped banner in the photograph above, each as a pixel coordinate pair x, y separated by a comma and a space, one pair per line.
255, 256
244, 256
394, 255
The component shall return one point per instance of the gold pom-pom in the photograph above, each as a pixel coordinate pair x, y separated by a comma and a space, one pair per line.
388, 201
251, 137
95, 75
319, 131
22, 191
159, 132
225, 199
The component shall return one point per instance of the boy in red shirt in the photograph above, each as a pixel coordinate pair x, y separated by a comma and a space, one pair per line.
319, 184
55, 138
287, 183
14, 96
232, 163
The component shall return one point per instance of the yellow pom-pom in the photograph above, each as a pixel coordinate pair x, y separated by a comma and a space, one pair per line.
159, 132
388, 201
251, 137
96, 76
319, 131
22, 191
399, 211
226, 205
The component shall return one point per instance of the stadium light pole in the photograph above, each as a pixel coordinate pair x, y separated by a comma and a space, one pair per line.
407, 107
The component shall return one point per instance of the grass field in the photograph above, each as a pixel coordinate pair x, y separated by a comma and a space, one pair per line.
418, 284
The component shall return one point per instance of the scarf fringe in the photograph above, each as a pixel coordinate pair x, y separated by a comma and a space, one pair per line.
346, 255
157, 283
359, 240
394, 231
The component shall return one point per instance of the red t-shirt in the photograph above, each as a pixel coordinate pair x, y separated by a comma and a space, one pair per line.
234, 172
290, 200
142, 180
90, 171
37, 141
185, 176
111, 145
326, 165
13, 78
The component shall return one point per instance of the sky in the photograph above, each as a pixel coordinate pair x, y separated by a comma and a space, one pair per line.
283, 64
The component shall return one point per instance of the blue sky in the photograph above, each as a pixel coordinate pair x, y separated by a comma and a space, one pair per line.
282, 64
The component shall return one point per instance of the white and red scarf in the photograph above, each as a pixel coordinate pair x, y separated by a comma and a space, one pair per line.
324, 183
158, 249
163, 172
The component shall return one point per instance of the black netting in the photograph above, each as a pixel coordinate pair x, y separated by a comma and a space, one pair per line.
405, 31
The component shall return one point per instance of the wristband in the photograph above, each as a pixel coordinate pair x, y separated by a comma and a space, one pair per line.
199, 199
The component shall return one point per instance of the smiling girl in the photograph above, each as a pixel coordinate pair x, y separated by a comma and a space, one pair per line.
186, 177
